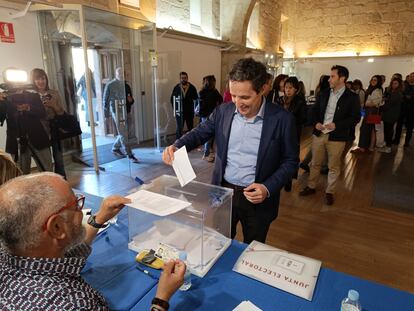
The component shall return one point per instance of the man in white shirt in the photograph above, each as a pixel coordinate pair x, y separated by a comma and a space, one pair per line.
336, 113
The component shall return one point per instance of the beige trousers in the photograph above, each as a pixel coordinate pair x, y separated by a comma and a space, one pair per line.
334, 150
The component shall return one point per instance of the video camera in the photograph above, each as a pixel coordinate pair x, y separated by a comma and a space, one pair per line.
16, 89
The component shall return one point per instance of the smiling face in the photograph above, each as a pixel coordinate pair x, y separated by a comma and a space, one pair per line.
245, 98
41, 83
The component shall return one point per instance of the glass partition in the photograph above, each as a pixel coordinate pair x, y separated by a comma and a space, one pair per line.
112, 99
167, 73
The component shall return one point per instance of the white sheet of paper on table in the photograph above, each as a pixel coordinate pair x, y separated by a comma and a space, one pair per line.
246, 306
155, 203
182, 167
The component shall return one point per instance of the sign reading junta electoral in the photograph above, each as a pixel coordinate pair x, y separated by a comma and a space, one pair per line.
6, 32
292, 273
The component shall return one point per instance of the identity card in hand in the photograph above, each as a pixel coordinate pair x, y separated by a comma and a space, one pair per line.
166, 253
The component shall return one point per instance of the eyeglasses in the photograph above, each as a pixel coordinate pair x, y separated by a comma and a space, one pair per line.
79, 202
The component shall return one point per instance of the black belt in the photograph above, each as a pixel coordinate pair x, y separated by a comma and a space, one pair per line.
231, 186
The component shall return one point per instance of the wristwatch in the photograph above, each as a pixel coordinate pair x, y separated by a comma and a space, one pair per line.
159, 302
93, 223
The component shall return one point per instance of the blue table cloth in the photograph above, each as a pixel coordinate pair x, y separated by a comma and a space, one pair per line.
112, 270
222, 289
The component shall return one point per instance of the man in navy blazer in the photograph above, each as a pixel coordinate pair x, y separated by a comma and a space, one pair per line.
257, 149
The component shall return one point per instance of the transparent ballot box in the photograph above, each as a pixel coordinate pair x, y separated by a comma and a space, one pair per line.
202, 230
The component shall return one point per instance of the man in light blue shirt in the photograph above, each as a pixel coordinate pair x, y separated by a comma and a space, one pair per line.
257, 150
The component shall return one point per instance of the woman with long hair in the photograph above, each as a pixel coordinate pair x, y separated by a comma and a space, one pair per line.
278, 88
53, 105
373, 99
322, 85
293, 102
393, 99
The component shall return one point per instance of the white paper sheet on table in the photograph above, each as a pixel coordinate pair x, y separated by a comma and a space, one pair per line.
246, 306
155, 203
182, 167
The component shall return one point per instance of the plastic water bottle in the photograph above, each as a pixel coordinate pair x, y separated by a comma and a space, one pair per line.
351, 303
187, 276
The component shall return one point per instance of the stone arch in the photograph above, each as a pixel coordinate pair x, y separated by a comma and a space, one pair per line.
234, 19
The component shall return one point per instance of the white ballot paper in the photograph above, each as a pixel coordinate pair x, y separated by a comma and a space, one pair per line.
292, 273
155, 203
246, 306
182, 167
326, 131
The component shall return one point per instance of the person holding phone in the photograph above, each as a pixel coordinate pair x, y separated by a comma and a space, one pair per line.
53, 104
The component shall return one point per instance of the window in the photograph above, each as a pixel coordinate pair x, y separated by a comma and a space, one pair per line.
195, 12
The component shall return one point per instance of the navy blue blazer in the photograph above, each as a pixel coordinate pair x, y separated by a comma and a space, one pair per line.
278, 155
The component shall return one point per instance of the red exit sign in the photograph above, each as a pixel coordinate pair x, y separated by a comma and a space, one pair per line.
7, 32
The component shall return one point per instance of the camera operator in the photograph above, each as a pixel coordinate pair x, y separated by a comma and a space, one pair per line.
26, 135
52, 103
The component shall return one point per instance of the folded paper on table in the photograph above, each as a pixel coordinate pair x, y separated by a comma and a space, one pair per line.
182, 167
155, 203
292, 273
246, 306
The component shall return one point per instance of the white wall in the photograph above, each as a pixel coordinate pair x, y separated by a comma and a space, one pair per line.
197, 59
309, 70
24, 54
174, 56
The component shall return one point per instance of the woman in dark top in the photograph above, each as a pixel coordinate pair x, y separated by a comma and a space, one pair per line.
322, 85
210, 98
278, 88
293, 102
393, 99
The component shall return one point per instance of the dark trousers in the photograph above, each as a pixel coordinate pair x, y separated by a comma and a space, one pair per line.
58, 158
209, 144
365, 135
388, 133
409, 126
398, 129
188, 119
254, 224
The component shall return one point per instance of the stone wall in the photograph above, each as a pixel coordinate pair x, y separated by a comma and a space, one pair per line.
347, 27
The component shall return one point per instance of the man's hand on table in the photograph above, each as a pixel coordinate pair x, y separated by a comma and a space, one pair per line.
171, 279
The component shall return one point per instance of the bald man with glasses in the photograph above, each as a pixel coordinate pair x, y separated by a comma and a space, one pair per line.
44, 246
